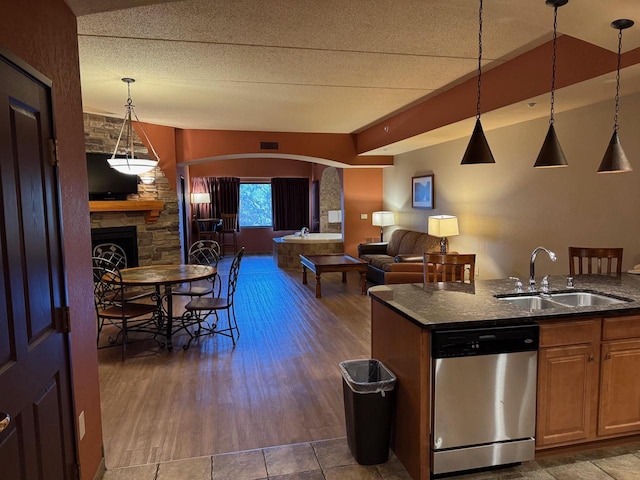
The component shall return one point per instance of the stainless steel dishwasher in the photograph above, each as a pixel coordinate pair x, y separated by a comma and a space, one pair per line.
484, 397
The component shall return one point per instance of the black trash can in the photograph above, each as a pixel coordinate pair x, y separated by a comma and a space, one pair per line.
368, 389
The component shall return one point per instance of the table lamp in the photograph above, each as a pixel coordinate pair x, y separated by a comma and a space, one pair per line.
382, 219
443, 226
199, 198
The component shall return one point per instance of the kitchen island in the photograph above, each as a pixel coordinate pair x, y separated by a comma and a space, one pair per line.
588, 373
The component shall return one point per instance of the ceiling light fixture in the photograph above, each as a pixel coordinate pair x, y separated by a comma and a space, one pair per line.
551, 154
615, 160
126, 161
478, 149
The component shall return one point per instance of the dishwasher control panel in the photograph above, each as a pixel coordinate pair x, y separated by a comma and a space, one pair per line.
467, 342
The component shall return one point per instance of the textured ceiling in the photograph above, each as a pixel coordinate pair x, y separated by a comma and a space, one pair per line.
332, 66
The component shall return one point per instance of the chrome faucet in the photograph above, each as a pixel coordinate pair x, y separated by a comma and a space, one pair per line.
304, 232
532, 268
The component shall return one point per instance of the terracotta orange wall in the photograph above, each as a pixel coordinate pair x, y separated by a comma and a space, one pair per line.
43, 34
252, 168
163, 140
362, 194
197, 144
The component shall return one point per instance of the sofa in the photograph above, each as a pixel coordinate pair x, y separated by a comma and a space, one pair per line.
400, 259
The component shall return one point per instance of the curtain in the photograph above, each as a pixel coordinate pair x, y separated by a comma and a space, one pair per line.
224, 192
203, 185
290, 203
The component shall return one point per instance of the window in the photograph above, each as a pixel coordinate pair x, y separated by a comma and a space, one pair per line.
255, 205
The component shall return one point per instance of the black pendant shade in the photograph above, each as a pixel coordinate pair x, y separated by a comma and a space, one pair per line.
615, 160
478, 149
551, 154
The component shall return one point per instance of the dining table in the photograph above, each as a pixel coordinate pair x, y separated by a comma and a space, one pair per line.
165, 276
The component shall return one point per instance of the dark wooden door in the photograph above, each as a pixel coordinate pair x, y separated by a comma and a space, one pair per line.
38, 443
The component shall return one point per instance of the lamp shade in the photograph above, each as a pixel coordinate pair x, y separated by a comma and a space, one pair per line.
615, 160
443, 226
132, 166
382, 219
200, 198
551, 154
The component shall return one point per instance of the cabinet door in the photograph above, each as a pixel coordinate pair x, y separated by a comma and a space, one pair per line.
567, 394
620, 388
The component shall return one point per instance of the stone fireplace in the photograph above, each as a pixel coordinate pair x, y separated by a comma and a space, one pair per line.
157, 232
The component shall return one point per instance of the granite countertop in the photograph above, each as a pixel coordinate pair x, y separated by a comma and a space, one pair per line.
439, 305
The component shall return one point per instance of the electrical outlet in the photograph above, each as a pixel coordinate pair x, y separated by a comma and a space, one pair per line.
363, 216
477, 272
81, 426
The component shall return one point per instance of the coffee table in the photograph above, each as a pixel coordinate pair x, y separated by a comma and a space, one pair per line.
338, 262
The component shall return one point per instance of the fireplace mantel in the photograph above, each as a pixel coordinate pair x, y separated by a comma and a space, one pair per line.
151, 208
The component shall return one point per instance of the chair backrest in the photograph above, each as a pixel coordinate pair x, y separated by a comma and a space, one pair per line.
204, 252
112, 252
229, 222
449, 267
107, 282
599, 256
234, 270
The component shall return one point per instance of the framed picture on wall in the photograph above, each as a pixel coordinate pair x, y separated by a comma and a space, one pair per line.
422, 192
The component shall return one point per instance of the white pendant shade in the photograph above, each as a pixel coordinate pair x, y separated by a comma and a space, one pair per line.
132, 166
127, 163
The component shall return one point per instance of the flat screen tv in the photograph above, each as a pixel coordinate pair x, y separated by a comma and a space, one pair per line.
105, 183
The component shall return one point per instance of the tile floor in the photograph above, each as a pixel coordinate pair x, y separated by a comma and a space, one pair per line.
331, 460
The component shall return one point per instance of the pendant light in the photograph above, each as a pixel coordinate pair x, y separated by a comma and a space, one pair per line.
615, 161
478, 149
551, 154
127, 162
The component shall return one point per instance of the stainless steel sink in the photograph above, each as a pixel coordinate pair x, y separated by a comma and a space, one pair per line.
584, 299
530, 302
560, 300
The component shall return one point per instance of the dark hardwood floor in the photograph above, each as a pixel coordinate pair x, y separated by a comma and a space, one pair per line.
280, 385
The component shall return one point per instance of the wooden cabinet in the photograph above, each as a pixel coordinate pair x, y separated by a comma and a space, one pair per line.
619, 405
567, 382
588, 380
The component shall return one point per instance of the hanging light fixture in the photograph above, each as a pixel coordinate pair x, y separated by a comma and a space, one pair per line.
551, 154
478, 149
615, 160
126, 161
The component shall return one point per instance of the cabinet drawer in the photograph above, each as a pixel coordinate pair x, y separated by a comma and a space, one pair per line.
554, 333
621, 327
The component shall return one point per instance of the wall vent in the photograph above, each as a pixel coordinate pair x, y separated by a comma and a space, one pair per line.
269, 146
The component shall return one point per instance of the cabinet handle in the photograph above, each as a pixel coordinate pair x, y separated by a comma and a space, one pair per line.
591, 358
607, 356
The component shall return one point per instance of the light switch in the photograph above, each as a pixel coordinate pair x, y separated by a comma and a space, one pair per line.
363, 216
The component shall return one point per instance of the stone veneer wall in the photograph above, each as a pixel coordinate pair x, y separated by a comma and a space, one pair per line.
159, 242
330, 199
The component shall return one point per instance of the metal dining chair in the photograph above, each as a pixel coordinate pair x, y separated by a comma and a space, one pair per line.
202, 252
116, 255
200, 308
124, 315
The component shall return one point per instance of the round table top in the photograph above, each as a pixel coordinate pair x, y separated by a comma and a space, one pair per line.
166, 274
